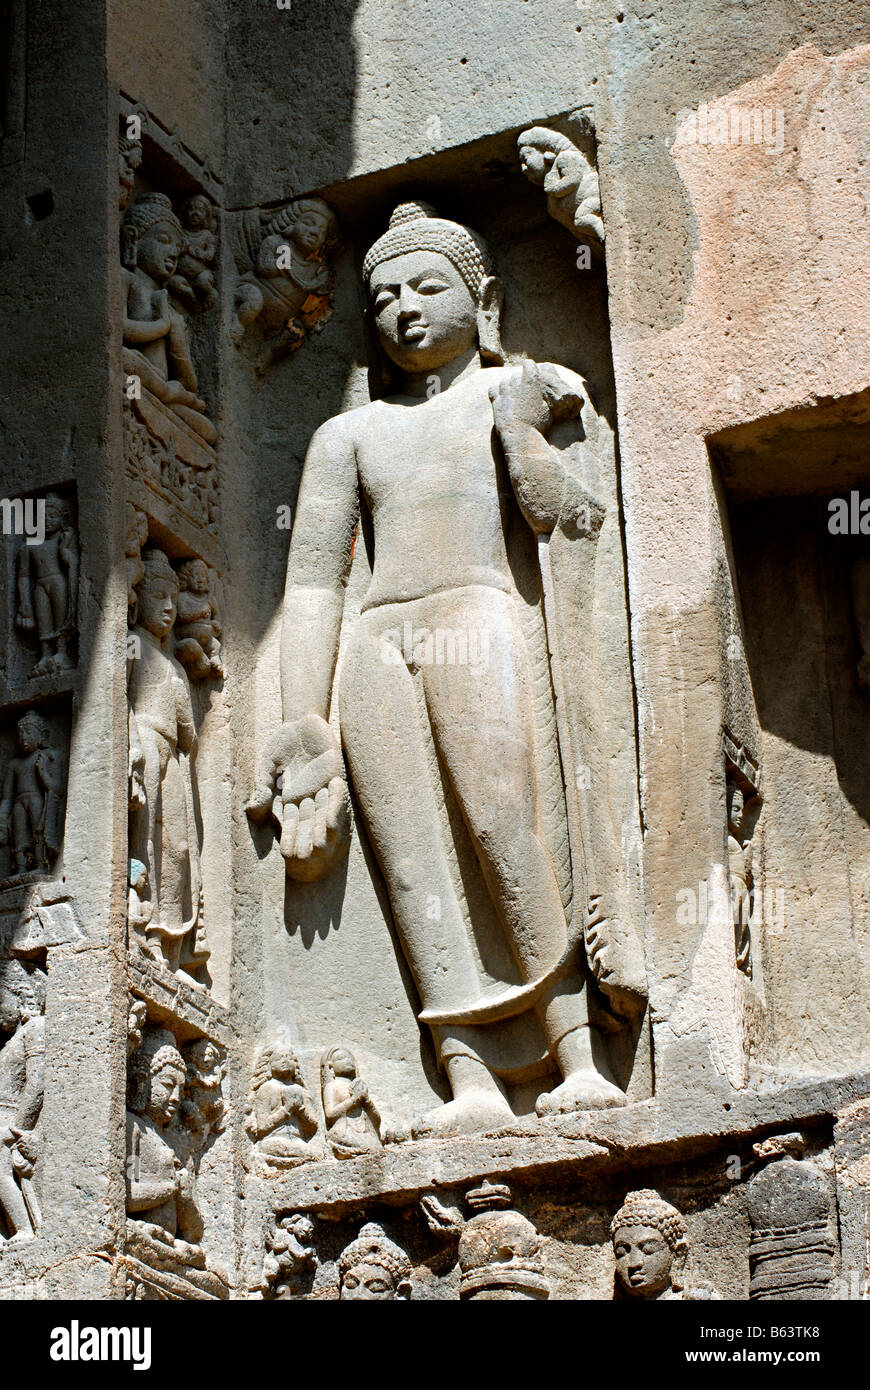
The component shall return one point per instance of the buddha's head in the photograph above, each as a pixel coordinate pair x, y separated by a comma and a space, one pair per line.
157, 594
153, 236
649, 1245
373, 1268
56, 513
157, 1073
32, 732
433, 292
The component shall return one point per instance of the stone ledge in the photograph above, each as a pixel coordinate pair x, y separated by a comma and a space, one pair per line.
650, 1131
191, 1012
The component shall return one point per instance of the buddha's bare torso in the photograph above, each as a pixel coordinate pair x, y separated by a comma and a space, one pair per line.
437, 492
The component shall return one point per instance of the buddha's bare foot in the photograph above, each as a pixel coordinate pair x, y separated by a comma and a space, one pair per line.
582, 1090
468, 1114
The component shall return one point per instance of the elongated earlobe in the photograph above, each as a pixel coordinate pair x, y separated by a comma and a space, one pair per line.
489, 310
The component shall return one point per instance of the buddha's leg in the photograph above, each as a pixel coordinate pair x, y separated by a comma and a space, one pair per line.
384, 741
173, 857
483, 720
482, 716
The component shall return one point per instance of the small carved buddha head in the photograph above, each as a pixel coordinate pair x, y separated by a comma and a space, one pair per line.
153, 237
56, 513
157, 594
433, 291
373, 1268
649, 1245
157, 1074
32, 732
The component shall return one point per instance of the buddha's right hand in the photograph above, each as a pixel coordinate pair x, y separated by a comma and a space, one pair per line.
301, 783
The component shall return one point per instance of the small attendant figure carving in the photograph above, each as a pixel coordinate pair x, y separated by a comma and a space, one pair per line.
198, 624
373, 1268
140, 910
193, 281
651, 1251
290, 1259
568, 178
22, 1072
286, 284
353, 1122
163, 831
136, 535
30, 809
160, 1189
203, 1107
155, 335
129, 159
47, 587
281, 1118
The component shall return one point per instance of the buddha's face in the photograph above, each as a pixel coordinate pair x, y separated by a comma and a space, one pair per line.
367, 1281
28, 735
309, 231
425, 313
158, 250
55, 514
157, 600
643, 1261
165, 1094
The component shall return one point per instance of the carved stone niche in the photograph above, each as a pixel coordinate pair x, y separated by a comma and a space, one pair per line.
743, 801
792, 1245
22, 1086
175, 1111
514, 904
44, 609
168, 248
34, 757
174, 614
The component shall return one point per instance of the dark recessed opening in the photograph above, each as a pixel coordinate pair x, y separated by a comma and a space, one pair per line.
41, 204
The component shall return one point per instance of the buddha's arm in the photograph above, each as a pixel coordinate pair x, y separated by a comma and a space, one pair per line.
317, 570
526, 404
179, 352
141, 330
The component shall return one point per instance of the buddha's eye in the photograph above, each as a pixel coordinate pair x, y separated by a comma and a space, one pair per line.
383, 299
431, 286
